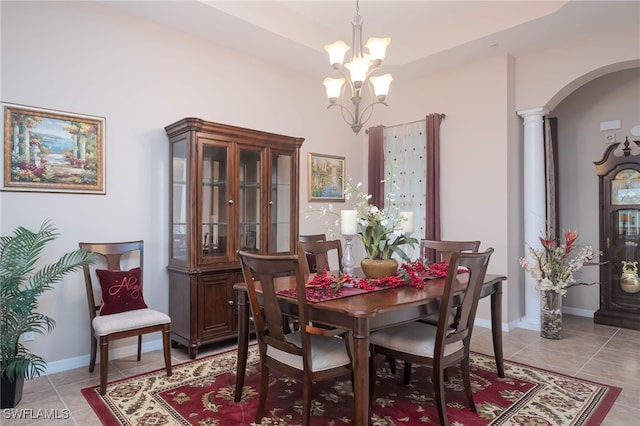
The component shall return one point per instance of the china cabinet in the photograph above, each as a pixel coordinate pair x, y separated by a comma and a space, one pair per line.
231, 189
619, 177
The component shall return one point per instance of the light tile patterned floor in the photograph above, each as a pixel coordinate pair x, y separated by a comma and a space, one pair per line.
604, 354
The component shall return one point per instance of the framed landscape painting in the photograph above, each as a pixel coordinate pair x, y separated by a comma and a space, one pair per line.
53, 151
326, 177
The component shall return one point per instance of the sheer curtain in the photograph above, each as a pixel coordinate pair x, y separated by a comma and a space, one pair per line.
405, 154
414, 149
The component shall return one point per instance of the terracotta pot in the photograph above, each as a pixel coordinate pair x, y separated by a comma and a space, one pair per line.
378, 268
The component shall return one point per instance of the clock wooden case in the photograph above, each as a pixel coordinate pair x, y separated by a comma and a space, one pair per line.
231, 188
619, 182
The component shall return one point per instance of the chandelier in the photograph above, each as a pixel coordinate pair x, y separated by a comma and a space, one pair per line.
357, 72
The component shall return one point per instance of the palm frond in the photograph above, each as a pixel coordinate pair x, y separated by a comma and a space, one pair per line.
20, 289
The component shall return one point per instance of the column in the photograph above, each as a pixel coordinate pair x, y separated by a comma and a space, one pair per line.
534, 205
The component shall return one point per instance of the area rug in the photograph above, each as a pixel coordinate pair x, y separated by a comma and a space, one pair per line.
201, 392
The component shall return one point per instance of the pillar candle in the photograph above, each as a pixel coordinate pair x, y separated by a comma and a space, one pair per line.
348, 222
406, 222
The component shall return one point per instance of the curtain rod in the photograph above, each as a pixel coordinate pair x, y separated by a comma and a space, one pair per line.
442, 116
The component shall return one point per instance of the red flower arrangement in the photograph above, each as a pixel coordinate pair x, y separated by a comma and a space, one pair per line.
410, 273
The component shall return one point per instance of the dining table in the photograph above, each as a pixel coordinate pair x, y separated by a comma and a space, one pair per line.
366, 312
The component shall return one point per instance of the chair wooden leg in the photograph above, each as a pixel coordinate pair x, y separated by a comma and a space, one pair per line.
372, 378
166, 344
407, 373
94, 352
104, 363
264, 387
306, 401
139, 347
466, 379
438, 387
392, 364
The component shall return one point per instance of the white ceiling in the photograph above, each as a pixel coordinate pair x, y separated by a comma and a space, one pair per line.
426, 35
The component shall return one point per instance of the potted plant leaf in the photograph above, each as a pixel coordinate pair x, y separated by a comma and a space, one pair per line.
20, 287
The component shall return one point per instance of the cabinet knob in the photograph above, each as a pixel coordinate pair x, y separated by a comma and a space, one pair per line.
230, 302
270, 203
230, 201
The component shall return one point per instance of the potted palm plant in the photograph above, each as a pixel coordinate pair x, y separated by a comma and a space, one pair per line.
20, 287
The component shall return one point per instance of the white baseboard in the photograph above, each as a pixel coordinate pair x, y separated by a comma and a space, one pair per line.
154, 345
565, 310
578, 312
83, 361
485, 323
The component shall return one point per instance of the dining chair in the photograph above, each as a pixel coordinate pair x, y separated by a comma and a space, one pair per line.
321, 251
438, 250
312, 237
120, 311
310, 354
441, 250
444, 345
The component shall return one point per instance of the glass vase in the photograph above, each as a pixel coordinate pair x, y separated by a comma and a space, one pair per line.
551, 315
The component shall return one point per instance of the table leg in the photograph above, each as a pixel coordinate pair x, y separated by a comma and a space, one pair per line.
243, 341
496, 328
361, 370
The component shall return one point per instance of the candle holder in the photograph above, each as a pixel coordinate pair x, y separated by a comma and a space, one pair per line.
347, 261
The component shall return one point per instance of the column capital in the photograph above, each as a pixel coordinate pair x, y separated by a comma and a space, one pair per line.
533, 112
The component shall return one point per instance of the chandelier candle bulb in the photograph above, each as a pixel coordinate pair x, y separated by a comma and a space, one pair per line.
348, 222
406, 222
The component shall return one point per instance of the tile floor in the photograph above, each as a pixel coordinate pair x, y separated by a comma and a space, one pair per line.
594, 352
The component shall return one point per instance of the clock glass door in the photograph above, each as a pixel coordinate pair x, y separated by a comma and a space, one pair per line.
623, 250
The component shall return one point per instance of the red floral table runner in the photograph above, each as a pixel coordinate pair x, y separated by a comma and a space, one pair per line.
322, 294
326, 286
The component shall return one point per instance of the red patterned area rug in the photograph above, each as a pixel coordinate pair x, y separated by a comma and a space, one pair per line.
200, 392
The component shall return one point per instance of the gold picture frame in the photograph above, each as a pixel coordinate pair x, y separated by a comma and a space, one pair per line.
326, 177
53, 151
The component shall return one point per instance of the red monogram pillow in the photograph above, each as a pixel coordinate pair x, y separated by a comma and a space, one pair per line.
121, 291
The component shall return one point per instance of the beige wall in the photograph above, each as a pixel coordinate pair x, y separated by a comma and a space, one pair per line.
87, 58
615, 96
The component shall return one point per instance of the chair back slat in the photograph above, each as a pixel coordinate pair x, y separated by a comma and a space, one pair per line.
311, 259
439, 250
319, 251
465, 312
260, 273
312, 237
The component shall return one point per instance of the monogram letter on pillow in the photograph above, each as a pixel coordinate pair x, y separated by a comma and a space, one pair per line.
121, 291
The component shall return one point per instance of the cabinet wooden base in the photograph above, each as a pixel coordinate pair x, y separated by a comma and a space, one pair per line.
193, 346
617, 319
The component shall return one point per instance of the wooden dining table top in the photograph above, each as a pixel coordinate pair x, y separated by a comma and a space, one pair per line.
376, 302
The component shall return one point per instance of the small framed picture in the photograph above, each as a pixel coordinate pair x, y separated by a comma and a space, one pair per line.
326, 177
53, 151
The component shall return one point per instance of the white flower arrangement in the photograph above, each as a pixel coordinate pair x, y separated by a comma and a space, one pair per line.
554, 264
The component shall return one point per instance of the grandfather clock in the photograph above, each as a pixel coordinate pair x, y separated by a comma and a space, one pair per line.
619, 178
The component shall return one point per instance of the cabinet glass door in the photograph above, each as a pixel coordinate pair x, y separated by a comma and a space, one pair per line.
249, 201
179, 213
281, 176
215, 214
